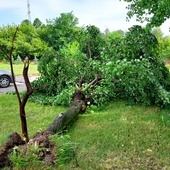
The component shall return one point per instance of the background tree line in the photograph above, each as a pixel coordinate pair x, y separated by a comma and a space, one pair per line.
34, 39
127, 65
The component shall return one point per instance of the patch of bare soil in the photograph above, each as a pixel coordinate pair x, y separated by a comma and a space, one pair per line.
42, 140
15, 140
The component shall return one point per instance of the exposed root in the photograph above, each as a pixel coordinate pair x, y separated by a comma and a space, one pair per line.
40, 141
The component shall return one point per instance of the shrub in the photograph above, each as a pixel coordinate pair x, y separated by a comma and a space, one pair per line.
128, 68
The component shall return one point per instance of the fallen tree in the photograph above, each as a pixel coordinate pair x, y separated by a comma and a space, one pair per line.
79, 103
61, 123
65, 119
42, 139
115, 77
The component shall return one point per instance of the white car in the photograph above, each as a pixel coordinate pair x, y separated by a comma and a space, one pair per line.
5, 78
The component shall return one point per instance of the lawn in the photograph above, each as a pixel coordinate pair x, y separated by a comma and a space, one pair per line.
18, 68
123, 137
38, 116
118, 137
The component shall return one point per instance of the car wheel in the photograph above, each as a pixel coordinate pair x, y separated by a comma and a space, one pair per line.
4, 81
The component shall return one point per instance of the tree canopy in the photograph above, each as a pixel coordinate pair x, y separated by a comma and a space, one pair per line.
123, 65
154, 12
127, 67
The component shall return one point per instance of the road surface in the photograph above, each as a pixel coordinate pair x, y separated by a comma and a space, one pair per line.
20, 84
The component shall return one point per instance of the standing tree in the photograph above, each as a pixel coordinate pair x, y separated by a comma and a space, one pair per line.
91, 42
154, 12
28, 42
37, 23
60, 31
7, 49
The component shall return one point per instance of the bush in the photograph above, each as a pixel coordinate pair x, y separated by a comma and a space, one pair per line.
128, 69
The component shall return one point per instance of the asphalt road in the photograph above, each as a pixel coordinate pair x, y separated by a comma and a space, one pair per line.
20, 84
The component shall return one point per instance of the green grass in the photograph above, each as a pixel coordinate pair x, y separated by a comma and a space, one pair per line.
38, 116
123, 137
118, 137
18, 68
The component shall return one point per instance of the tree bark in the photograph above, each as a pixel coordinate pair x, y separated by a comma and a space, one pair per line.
78, 105
25, 99
67, 118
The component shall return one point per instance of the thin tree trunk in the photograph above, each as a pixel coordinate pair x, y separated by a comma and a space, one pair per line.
23, 122
25, 99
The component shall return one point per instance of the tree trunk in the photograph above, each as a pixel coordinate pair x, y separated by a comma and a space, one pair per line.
42, 139
67, 118
78, 106
23, 102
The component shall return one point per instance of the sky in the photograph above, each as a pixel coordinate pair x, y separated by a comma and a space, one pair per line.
103, 14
